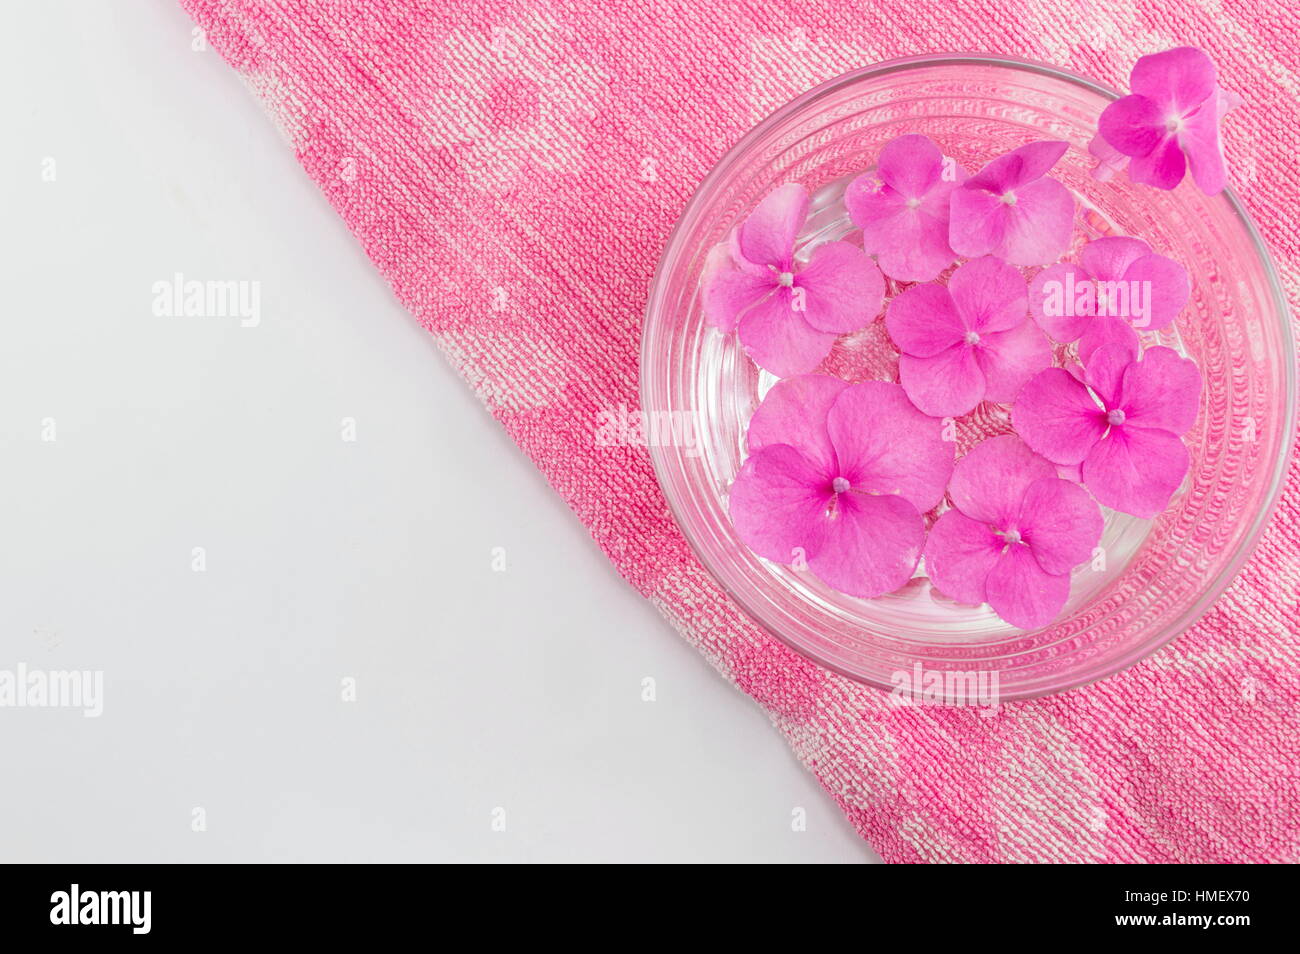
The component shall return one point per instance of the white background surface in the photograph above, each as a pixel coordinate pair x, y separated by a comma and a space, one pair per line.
325, 559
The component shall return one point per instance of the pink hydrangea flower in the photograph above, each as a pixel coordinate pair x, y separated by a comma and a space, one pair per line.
902, 209
837, 479
1117, 277
1014, 533
788, 315
1170, 122
969, 342
1121, 418
1011, 209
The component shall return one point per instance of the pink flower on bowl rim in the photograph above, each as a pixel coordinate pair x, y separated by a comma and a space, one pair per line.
1170, 122
1117, 277
968, 342
838, 477
1120, 418
902, 209
1013, 535
1013, 210
788, 315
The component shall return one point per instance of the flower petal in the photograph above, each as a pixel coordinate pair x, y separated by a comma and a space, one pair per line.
1202, 143
1108, 331
745, 265
778, 504
977, 222
910, 165
959, 553
1204, 148
1136, 469
1176, 79
1056, 303
989, 483
1163, 291
886, 446
1057, 416
1019, 167
1162, 168
990, 295
767, 236
923, 321
778, 339
843, 288
1010, 358
1108, 259
910, 244
794, 412
1163, 391
1060, 523
1038, 225
1132, 125
947, 384
1022, 593
729, 291
871, 547
867, 199
1104, 371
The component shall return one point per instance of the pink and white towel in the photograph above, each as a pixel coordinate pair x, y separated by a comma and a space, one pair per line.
514, 169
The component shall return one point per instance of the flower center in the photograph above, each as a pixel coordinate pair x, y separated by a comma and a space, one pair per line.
1174, 125
972, 338
913, 203
840, 485
785, 279
1116, 416
1012, 537
1008, 198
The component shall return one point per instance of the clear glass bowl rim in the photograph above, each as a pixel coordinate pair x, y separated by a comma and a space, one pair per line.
719, 173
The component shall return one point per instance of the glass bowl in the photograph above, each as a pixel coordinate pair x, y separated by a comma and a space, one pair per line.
1154, 577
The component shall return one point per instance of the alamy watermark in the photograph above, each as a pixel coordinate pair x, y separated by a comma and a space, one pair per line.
23, 688
945, 687
79, 906
1087, 297
628, 427
180, 297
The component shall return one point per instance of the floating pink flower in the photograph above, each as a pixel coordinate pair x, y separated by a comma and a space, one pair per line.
1014, 534
969, 342
902, 209
1170, 122
1012, 210
1121, 418
1116, 277
788, 315
838, 477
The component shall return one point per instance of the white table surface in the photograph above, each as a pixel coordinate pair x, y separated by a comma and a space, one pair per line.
325, 559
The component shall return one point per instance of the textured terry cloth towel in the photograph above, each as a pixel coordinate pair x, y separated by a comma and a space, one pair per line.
514, 170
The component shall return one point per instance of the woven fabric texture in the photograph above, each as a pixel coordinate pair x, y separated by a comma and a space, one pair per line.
514, 169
